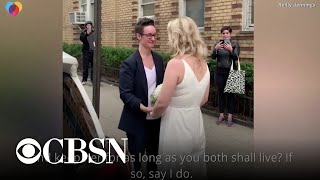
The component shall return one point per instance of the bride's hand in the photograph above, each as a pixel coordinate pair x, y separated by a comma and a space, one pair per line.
154, 115
149, 109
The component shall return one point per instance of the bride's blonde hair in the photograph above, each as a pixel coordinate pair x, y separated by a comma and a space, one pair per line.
184, 38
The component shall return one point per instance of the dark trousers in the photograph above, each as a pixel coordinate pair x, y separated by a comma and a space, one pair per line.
221, 77
142, 142
87, 59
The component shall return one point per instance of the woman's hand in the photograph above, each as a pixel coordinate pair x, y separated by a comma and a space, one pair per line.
145, 109
228, 47
219, 46
153, 115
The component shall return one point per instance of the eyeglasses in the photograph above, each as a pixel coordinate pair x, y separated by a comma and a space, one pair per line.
149, 36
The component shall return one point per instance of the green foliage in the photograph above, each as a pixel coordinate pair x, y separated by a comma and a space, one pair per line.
74, 50
113, 57
166, 57
212, 64
248, 68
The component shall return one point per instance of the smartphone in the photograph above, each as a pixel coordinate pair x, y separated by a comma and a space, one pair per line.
221, 41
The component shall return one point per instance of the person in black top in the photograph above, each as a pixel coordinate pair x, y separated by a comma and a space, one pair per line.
225, 51
87, 38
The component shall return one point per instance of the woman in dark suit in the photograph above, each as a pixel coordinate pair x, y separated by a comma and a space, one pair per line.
225, 51
139, 76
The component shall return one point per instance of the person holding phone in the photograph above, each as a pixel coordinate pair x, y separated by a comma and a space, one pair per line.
87, 38
225, 51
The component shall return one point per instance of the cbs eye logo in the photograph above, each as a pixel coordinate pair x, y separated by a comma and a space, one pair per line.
14, 8
26, 151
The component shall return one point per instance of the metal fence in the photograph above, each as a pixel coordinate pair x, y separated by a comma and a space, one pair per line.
110, 74
243, 103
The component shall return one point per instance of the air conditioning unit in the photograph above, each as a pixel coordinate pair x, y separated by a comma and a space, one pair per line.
77, 17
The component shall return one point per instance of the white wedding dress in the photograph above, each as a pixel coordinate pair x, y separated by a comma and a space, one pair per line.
182, 138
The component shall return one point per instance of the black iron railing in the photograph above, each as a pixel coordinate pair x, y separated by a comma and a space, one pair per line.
243, 103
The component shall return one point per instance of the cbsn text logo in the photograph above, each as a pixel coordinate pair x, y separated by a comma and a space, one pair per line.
28, 154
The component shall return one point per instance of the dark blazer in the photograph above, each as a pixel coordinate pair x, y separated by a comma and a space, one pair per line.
133, 89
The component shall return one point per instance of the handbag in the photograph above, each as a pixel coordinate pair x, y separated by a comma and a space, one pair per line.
236, 80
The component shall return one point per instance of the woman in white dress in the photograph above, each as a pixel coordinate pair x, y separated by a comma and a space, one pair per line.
185, 89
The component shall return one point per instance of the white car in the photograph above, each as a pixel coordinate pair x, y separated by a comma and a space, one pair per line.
80, 120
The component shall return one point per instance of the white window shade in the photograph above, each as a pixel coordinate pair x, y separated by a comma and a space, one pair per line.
193, 9
146, 8
147, 1
88, 9
248, 15
83, 1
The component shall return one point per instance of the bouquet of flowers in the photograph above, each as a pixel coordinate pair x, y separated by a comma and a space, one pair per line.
155, 94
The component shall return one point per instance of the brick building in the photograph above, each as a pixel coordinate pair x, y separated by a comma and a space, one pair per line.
119, 16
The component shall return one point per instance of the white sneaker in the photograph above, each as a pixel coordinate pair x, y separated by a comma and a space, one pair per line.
84, 82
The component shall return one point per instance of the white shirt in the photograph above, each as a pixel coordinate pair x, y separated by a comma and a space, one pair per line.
152, 83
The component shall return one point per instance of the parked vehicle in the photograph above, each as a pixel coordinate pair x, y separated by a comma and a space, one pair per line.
80, 120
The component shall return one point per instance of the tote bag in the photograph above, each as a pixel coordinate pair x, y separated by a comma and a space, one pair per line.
236, 80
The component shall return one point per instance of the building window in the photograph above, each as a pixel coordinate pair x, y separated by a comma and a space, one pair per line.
193, 9
248, 15
146, 8
89, 12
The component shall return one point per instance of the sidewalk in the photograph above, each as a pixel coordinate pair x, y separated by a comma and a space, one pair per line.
220, 139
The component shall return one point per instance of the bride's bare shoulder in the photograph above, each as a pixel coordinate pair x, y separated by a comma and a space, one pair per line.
175, 63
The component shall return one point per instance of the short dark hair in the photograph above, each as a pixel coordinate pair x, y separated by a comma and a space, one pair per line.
228, 28
88, 22
143, 22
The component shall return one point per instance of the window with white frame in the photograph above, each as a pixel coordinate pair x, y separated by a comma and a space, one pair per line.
193, 9
146, 8
248, 15
84, 8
